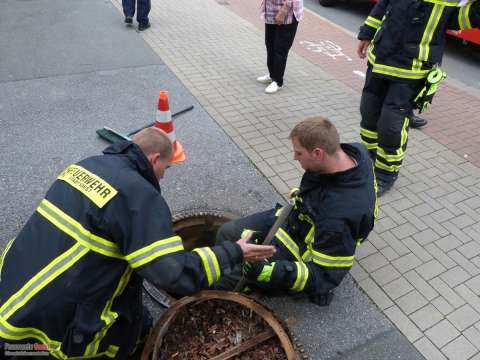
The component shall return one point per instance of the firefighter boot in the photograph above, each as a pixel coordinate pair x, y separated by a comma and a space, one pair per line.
384, 181
417, 122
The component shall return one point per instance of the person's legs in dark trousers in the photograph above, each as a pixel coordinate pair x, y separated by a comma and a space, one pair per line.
371, 103
232, 231
392, 128
270, 30
128, 8
284, 36
143, 9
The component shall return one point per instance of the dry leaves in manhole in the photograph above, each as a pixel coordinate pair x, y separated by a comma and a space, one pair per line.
217, 327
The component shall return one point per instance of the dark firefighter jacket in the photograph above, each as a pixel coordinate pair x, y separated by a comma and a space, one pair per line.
408, 36
332, 214
72, 277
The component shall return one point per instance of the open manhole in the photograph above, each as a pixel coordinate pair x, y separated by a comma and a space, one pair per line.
216, 325
198, 228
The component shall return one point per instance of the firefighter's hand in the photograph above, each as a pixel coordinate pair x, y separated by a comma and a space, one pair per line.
362, 48
260, 271
252, 252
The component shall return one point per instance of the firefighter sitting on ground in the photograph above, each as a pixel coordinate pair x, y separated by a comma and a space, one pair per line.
72, 277
334, 211
404, 40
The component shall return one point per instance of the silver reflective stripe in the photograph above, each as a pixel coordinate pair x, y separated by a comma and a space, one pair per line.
287, 241
332, 261
398, 72
429, 31
159, 249
210, 264
43, 278
63, 218
464, 17
302, 276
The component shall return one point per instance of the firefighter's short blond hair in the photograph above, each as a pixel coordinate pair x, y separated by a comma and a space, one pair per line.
317, 132
152, 140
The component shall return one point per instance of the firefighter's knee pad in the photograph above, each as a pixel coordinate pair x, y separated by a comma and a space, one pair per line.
370, 109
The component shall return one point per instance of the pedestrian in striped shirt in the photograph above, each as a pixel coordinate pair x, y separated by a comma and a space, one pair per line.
281, 22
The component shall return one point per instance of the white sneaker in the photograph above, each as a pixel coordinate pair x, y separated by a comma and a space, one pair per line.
272, 88
265, 79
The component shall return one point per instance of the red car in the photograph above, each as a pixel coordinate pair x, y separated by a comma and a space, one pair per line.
471, 35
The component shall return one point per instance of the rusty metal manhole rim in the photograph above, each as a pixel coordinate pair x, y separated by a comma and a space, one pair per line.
155, 339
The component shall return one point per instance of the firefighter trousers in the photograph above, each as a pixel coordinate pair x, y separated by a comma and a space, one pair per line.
386, 107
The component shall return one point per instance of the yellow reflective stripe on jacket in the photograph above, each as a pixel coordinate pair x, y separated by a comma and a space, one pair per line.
399, 72
373, 22
424, 47
332, 261
42, 279
11, 332
464, 17
76, 231
287, 241
444, 2
2, 259
302, 277
108, 316
210, 264
153, 251
92, 186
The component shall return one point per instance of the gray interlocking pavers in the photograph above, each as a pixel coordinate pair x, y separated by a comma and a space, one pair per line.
421, 285
440, 256
442, 333
411, 302
426, 317
389, 253
376, 293
407, 262
473, 335
448, 243
447, 292
442, 305
455, 276
459, 349
428, 349
373, 262
416, 249
385, 275
398, 288
470, 249
474, 284
406, 326
466, 264
464, 317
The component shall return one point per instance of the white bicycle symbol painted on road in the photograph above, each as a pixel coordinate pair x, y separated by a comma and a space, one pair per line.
326, 47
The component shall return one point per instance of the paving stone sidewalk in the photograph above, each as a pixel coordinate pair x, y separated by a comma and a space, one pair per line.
421, 265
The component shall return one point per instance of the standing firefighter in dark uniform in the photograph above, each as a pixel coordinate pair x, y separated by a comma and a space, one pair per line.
72, 277
404, 40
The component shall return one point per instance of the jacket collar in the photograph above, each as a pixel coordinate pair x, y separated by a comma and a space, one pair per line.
137, 158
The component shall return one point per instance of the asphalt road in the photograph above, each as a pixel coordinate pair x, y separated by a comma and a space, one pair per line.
461, 62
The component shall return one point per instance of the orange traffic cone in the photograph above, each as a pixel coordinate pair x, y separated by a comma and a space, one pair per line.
164, 122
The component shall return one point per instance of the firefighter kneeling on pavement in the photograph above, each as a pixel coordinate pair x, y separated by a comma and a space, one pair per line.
335, 209
72, 278
404, 41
